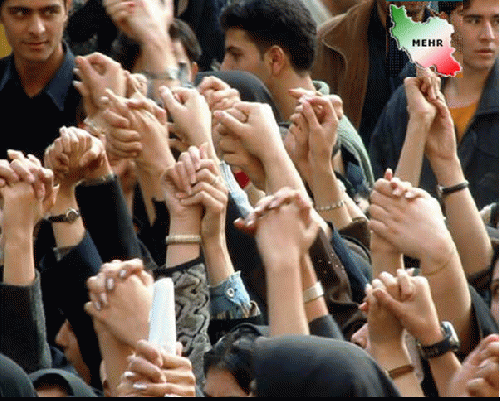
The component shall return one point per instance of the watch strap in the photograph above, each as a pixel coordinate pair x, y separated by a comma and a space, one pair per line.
69, 216
449, 343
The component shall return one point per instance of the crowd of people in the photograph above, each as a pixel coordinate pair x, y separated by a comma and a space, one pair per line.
326, 209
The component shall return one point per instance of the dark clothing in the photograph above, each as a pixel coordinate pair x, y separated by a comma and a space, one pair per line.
477, 151
90, 29
483, 326
386, 63
22, 325
32, 124
69, 382
14, 382
203, 17
66, 301
309, 366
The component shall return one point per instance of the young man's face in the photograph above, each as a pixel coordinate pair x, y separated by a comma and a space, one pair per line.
243, 55
34, 28
476, 33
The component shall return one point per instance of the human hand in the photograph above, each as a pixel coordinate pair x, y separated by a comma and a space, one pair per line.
234, 153
76, 155
285, 220
141, 20
385, 332
259, 128
28, 191
411, 303
404, 221
153, 372
478, 375
421, 92
210, 192
124, 309
441, 143
191, 116
139, 131
335, 100
98, 73
218, 94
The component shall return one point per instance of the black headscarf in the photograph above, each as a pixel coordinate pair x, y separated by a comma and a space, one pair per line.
14, 382
309, 366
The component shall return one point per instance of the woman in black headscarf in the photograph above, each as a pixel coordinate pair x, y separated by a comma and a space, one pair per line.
309, 366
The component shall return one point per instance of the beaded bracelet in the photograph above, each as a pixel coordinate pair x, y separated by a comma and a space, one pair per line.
333, 206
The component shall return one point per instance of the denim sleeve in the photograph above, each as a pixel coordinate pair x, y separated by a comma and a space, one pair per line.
230, 299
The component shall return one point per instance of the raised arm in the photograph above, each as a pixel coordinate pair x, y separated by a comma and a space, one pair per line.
414, 224
462, 216
27, 194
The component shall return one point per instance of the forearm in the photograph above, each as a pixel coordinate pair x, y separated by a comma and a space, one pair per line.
67, 234
280, 173
328, 193
389, 359
384, 256
19, 265
316, 308
450, 293
410, 161
284, 295
218, 262
114, 356
463, 219
443, 368
151, 188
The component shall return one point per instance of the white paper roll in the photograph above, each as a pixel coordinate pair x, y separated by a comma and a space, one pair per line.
162, 329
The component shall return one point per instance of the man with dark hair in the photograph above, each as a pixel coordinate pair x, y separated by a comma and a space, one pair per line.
36, 80
361, 61
276, 41
472, 97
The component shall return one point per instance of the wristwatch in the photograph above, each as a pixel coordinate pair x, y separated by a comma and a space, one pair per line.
449, 343
69, 216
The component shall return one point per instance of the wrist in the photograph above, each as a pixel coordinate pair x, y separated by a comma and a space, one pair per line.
448, 171
185, 224
390, 356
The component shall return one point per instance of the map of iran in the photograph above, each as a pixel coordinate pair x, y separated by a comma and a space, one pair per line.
427, 44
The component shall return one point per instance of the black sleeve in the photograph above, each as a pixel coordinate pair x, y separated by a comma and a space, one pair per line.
108, 221
65, 286
325, 326
22, 326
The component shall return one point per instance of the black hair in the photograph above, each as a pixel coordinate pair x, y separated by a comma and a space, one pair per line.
233, 352
180, 30
449, 6
286, 23
127, 51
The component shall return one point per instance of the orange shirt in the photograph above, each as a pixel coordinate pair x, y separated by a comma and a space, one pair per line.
462, 117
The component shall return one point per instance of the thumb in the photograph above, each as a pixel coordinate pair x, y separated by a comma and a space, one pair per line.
387, 301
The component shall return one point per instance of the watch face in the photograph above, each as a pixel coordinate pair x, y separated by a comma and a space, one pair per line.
72, 215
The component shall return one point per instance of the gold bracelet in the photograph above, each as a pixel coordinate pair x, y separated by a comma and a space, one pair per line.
333, 206
183, 239
401, 371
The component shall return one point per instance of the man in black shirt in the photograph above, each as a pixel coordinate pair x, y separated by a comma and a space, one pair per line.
37, 96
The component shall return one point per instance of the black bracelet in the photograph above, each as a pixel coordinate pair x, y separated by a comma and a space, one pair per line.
443, 192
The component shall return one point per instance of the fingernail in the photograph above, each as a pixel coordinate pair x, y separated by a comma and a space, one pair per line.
122, 273
97, 305
104, 298
140, 386
110, 284
127, 374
